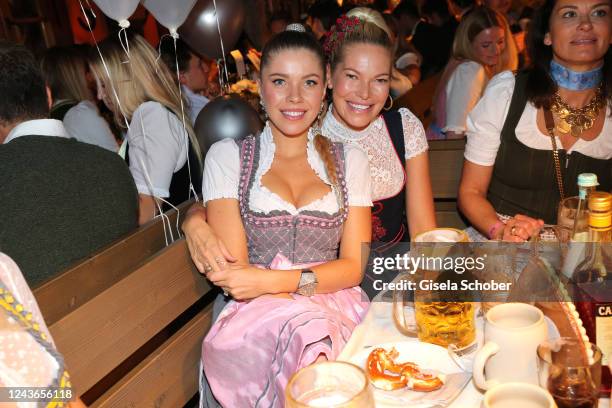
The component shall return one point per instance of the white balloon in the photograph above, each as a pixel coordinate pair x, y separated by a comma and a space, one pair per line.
170, 14
119, 10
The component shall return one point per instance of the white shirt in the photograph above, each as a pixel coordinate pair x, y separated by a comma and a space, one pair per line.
463, 90
38, 127
196, 103
485, 124
84, 123
222, 176
386, 170
158, 148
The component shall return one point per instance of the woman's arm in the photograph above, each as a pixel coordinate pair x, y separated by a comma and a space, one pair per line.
248, 282
472, 198
223, 217
204, 245
473, 203
419, 196
146, 208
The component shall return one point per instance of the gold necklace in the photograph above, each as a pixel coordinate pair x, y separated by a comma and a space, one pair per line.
575, 121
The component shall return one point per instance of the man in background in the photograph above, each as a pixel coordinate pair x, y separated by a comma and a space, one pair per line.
60, 199
322, 15
193, 74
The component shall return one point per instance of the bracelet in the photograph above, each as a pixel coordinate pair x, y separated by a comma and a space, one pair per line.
495, 228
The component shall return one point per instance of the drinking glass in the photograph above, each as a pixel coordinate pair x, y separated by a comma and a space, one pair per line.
571, 371
567, 212
333, 384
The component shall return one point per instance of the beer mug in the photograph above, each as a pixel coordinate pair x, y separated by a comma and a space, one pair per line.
435, 320
512, 334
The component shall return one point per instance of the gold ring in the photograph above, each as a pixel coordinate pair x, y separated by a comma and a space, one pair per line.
512, 230
207, 268
220, 261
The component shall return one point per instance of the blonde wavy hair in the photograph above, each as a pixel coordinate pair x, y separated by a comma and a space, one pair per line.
141, 79
476, 21
372, 29
64, 69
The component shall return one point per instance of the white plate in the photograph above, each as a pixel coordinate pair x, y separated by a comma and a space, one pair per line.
428, 357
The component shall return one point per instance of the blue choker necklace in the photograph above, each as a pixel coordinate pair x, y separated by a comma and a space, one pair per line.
575, 81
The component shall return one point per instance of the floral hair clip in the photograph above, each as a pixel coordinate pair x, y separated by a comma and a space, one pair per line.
336, 34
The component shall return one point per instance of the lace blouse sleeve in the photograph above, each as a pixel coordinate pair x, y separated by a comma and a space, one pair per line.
415, 140
221, 171
358, 181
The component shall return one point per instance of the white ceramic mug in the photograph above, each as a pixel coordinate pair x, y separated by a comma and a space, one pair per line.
512, 334
515, 395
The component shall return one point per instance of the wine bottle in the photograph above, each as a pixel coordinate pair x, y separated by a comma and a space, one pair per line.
593, 281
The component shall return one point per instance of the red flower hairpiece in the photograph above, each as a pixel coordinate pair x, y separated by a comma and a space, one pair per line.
336, 34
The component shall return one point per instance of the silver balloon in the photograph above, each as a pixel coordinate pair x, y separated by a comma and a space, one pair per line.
201, 32
226, 117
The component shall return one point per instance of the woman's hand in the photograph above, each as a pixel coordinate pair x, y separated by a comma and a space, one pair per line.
520, 228
242, 282
207, 251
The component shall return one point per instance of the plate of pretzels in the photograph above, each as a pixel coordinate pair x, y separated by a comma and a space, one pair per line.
411, 372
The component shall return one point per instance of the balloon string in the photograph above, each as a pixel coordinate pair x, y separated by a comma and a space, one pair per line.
126, 46
221, 41
127, 124
178, 80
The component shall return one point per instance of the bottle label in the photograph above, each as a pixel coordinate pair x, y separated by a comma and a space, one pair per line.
603, 330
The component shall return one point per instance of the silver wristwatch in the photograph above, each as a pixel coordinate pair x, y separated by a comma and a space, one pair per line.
308, 283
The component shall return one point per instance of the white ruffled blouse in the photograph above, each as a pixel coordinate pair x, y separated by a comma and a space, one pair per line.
386, 170
222, 176
486, 121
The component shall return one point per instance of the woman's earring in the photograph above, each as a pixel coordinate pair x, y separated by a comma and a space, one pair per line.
390, 105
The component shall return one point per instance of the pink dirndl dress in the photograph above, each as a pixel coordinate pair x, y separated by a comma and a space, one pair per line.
255, 346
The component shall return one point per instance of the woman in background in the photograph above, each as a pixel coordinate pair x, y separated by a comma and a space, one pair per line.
162, 152
65, 71
511, 183
483, 47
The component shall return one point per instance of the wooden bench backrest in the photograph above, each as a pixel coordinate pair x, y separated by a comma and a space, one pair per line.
131, 337
445, 166
72, 288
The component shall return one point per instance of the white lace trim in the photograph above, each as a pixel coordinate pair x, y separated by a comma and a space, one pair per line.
415, 138
265, 200
386, 168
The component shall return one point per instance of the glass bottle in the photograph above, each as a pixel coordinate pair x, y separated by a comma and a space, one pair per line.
592, 281
580, 230
586, 185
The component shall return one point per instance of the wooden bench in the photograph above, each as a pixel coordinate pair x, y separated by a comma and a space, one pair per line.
445, 166
130, 320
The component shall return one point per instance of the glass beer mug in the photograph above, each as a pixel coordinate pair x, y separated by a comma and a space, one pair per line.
423, 312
